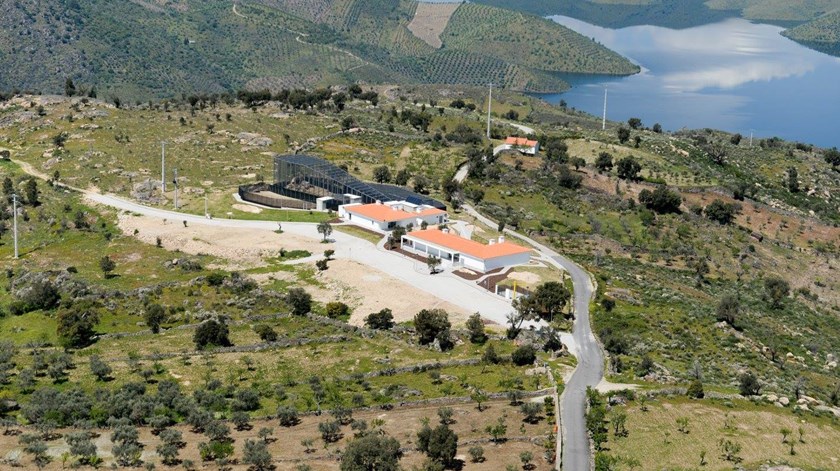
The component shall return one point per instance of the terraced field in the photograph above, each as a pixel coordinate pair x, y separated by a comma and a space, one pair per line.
139, 50
530, 42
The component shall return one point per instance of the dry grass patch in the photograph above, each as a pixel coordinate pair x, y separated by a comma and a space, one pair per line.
430, 20
656, 443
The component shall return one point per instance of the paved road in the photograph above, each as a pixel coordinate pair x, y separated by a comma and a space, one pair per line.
590, 368
446, 286
523, 128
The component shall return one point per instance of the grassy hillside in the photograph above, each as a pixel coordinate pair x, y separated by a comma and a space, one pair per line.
621, 14
822, 34
654, 439
813, 24
660, 276
529, 42
312, 364
140, 50
778, 10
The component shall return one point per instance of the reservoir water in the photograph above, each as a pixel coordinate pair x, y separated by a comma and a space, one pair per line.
732, 75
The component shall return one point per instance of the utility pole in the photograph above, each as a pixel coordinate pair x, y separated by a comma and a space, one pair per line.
175, 182
206, 214
604, 121
163, 166
489, 105
751, 135
14, 212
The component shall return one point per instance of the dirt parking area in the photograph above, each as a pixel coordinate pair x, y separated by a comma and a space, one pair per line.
363, 288
244, 248
368, 290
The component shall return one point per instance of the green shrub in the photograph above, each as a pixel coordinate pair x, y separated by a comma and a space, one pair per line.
337, 310
695, 390
524, 355
211, 333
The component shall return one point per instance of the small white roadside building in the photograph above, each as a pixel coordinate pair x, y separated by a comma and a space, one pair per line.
523, 145
457, 251
386, 216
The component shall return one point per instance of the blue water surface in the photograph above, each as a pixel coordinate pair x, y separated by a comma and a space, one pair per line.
733, 75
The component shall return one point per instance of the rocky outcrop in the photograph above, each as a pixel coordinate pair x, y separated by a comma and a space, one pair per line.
253, 140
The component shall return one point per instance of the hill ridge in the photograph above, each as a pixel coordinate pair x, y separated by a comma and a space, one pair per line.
140, 50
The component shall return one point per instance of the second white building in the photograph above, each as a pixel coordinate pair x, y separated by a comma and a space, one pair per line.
387, 216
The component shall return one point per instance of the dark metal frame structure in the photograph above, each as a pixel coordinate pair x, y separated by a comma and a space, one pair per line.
308, 178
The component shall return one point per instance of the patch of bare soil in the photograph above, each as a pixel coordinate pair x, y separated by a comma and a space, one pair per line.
244, 248
368, 290
430, 21
288, 451
364, 289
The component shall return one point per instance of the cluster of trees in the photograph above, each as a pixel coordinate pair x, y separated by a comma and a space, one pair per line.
628, 168
459, 104
298, 98
382, 174
440, 444
130, 405
71, 89
661, 200
721, 212
420, 120
463, 134
28, 197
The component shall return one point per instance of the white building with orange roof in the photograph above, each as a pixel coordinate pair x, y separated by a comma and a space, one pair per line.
523, 145
387, 216
457, 251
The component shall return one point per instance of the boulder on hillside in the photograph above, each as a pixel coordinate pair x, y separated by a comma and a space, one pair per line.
144, 190
253, 140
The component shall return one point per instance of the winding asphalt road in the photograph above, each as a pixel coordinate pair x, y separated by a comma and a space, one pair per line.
573, 440
590, 369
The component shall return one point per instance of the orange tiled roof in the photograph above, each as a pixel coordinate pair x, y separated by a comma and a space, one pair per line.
384, 213
466, 246
520, 141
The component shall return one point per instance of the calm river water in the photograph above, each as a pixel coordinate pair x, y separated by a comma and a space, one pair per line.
732, 75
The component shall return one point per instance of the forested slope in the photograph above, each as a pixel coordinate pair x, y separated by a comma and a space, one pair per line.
142, 50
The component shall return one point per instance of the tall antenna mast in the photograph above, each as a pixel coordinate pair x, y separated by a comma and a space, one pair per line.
489, 105
604, 120
14, 211
163, 166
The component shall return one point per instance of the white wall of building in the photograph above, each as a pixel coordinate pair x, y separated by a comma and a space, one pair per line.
507, 260
467, 261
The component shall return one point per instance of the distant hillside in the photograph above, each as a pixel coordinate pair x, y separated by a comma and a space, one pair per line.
810, 24
143, 50
822, 34
673, 13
